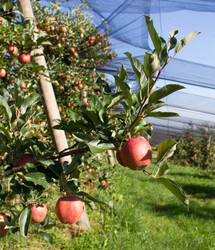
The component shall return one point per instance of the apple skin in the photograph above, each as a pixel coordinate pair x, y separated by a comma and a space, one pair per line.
136, 154
119, 158
24, 58
69, 209
3, 222
13, 50
39, 212
2, 73
23, 159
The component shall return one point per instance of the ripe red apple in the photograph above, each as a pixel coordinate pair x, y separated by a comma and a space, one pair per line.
3, 223
23, 159
89, 170
13, 50
39, 212
2, 73
72, 49
25, 58
69, 209
63, 29
103, 182
136, 154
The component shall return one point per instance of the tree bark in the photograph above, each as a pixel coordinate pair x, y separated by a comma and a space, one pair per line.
50, 104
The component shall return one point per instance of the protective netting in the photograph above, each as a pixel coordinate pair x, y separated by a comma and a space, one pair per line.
194, 67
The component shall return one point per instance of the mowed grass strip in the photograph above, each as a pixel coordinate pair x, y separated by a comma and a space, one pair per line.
145, 216
165, 223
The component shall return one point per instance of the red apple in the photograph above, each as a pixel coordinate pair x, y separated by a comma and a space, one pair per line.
72, 49
25, 58
63, 29
103, 182
136, 154
39, 212
2, 73
13, 50
3, 223
23, 159
89, 170
119, 158
69, 209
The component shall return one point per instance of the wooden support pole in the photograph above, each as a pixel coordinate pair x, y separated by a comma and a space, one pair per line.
50, 104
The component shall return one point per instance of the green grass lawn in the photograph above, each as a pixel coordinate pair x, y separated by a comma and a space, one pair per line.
145, 216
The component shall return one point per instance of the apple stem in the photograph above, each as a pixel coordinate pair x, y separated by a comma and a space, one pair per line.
146, 172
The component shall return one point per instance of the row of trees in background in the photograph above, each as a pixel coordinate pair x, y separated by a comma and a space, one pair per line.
73, 49
196, 148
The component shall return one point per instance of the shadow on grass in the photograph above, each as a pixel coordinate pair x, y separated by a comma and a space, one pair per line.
199, 191
200, 176
171, 210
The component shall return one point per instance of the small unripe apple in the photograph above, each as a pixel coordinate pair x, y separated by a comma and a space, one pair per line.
25, 58
2, 73
69, 209
3, 223
39, 212
136, 154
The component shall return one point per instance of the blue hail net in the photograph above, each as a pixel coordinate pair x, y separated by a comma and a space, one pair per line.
193, 67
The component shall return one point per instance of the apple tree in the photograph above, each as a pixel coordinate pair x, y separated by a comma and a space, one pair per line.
30, 168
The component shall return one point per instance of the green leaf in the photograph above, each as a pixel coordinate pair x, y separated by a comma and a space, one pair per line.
95, 103
151, 64
91, 115
164, 91
163, 168
171, 43
55, 167
139, 124
164, 53
151, 107
38, 178
24, 221
114, 99
185, 40
122, 74
138, 70
95, 146
5, 108
46, 237
29, 101
92, 198
153, 34
76, 160
5, 132
166, 150
125, 89
174, 188
7, 6
161, 114
17, 95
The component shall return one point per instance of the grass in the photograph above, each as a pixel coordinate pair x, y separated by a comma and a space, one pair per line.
145, 216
